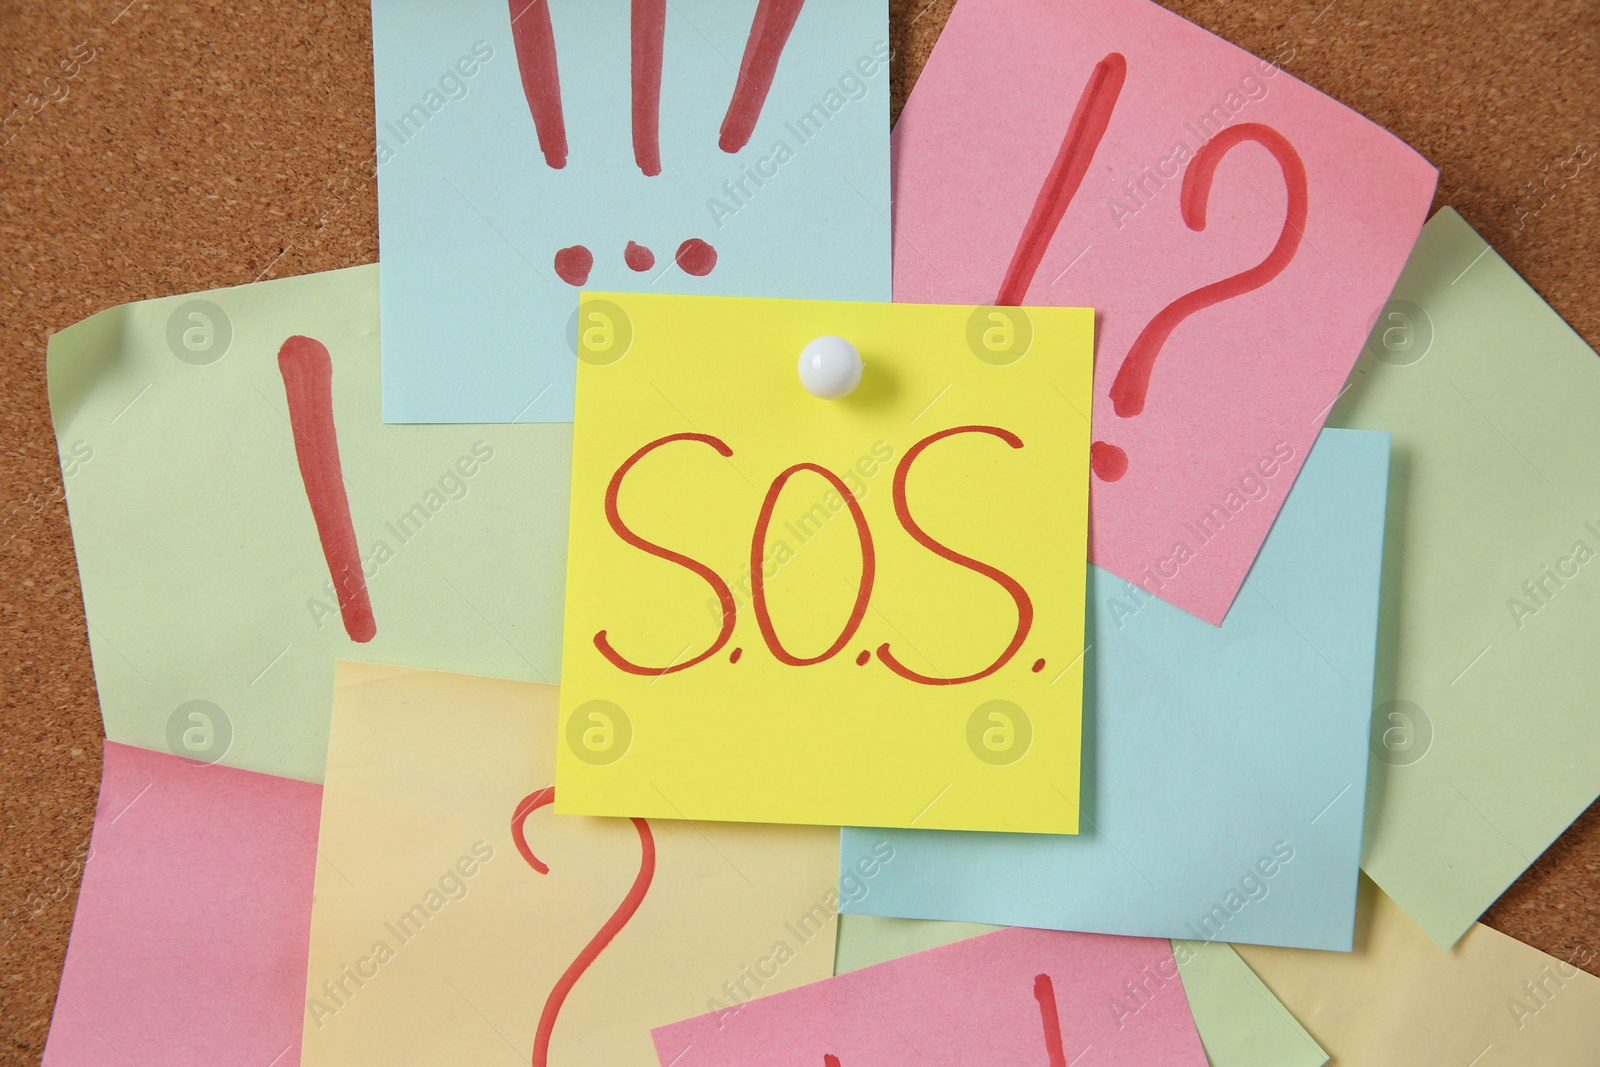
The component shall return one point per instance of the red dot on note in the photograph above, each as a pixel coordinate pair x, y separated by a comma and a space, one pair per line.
638, 257
861, 660
1107, 461
736, 654
696, 257
1038, 665
573, 264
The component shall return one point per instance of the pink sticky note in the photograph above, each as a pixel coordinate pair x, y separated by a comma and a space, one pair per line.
189, 944
1015, 996
1236, 231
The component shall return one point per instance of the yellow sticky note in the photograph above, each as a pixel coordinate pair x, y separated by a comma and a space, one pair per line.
458, 920
861, 611
1399, 1000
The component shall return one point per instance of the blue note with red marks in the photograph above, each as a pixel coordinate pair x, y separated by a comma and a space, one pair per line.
527, 149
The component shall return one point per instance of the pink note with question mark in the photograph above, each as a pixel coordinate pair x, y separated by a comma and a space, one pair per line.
1236, 231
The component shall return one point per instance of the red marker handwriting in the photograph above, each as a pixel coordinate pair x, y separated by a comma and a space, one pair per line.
757, 576
307, 372
1083, 136
535, 42
534, 37
573, 264
649, 31
1132, 383
638, 257
769, 32
608, 930
758, 584
1018, 594
718, 586
1078, 145
1128, 391
1044, 991
696, 257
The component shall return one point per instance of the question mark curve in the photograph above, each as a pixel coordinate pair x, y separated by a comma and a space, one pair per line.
608, 930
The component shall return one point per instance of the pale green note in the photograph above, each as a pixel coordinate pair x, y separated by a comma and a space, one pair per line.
1484, 730
1241, 1024
213, 621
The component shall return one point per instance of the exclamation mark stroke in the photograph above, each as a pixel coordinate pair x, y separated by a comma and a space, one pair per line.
769, 32
1044, 991
1078, 146
535, 41
649, 33
308, 383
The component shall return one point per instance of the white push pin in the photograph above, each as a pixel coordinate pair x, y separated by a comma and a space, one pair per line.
830, 367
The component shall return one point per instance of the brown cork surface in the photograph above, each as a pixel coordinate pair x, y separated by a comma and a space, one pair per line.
168, 147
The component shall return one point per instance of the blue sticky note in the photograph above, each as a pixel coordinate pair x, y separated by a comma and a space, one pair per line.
527, 149
1224, 768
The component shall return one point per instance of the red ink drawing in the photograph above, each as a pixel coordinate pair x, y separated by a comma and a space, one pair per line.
1044, 991
307, 372
535, 43
573, 264
1132, 383
534, 37
758, 582
696, 257
769, 32
1078, 145
1107, 461
1018, 594
608, 930
638, 257
758, 577
649, 31
718, 586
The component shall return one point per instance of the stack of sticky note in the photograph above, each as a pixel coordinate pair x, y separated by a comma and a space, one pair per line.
492, 647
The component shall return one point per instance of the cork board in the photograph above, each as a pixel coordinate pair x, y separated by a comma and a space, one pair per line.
164, 148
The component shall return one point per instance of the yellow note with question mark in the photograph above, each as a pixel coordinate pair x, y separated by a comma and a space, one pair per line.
456, 919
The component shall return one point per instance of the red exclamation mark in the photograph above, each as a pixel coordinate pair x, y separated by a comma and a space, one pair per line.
535, 42
308, 383
1083, 136
769, 32
649, 32
1044, 991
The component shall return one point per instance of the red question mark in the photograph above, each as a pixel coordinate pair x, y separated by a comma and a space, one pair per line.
1133, 378
608, 930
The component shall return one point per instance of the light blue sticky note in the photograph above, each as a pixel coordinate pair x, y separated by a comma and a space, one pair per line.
1224, 768
478, 323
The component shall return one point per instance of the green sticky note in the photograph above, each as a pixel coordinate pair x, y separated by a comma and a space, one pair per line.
1241, 1024
1484, 729
213, 612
